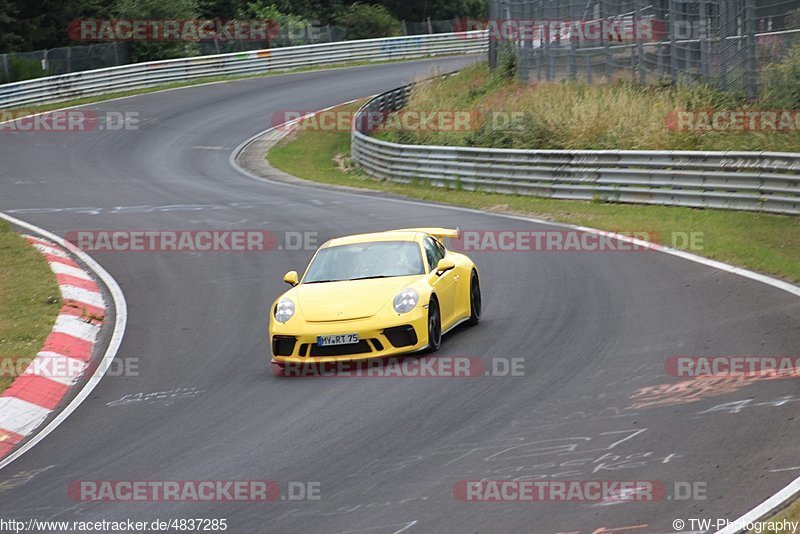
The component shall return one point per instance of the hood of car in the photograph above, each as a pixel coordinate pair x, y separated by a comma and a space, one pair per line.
347, 300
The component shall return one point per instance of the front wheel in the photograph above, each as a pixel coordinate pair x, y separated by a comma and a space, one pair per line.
474, 300
434, 326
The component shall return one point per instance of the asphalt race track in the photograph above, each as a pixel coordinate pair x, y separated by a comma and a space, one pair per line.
594, 329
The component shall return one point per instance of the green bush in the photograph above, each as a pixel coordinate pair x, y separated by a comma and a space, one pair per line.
24, 69
365, 21
287, 23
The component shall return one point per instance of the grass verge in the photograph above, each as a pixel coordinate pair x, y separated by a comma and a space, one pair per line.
761, 242
29, 302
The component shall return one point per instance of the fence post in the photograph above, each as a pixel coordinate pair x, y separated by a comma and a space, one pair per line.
573, 42
492, 42
217, 24
5, 67
639, 38
705, 25
750, 62
430, 26
724, 46
606, 44
405, 30
673, 45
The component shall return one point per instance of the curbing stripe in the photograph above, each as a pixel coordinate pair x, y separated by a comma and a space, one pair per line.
73, 326
57, 367
82, 283
37, 390
82, 296
49, 249
63, 268
58, 259
19, 416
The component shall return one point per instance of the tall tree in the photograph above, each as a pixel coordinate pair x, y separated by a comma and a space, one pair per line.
9, 39
158, 10
43, 24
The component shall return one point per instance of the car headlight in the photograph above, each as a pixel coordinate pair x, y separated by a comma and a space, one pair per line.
284, 310
406, 300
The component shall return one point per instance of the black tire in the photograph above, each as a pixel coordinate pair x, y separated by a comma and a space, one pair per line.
475, 302
434, 326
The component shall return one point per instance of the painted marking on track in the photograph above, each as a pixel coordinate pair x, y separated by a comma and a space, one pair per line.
159, 397
405, 526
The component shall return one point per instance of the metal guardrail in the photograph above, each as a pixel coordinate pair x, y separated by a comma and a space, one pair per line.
141, 75
753, 181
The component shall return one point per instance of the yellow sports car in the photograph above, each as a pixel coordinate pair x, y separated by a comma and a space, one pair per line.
374, 295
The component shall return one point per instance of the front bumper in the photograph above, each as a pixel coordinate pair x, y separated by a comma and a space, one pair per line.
296, 342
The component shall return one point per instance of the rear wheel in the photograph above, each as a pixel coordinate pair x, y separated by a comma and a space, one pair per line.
434, 326
474, 300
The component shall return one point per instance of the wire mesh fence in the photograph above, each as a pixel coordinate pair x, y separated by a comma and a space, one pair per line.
28, 65
724, 43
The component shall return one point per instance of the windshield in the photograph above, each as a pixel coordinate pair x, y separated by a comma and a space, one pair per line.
365, 260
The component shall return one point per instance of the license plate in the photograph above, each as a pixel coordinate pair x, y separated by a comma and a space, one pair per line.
343, 339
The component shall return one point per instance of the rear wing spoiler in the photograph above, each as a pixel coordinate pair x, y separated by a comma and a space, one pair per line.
438, 233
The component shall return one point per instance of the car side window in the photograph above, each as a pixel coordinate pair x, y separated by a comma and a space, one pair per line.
441, 249
430, 253
433, 252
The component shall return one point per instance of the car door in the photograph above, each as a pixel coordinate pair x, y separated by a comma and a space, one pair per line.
444, 285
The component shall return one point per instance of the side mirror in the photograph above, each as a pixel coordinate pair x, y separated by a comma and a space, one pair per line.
291, 278
444, 265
